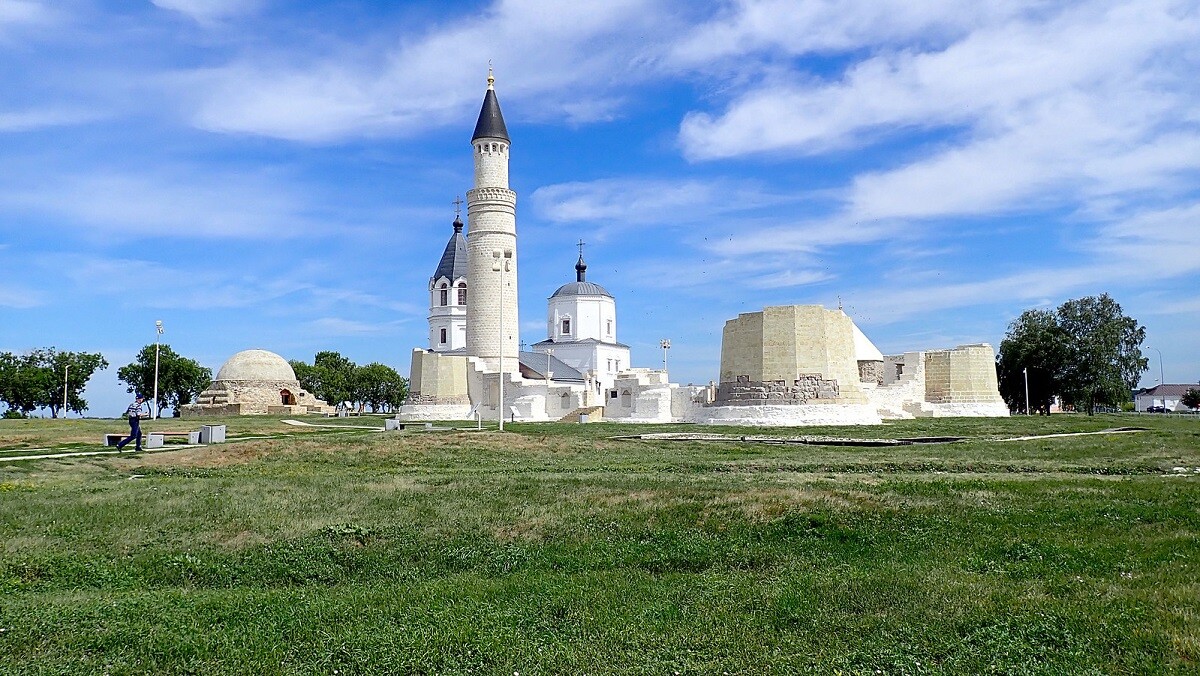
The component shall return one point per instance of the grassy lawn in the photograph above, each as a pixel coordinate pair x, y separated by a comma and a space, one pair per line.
554, 548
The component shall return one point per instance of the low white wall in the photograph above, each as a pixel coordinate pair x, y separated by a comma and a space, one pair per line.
788, 416
435, 412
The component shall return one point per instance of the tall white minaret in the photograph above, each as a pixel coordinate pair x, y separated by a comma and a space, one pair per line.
492, 243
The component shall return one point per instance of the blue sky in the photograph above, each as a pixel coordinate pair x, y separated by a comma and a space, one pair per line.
279, 175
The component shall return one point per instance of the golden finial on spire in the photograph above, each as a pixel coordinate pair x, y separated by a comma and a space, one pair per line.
491, 80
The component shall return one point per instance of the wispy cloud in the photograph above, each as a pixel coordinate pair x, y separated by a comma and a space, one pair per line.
643, 201
337, 326
28, 120
167, 202
19, 297
23, 12
210, 10
347, 92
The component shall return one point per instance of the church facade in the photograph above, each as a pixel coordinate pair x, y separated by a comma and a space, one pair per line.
474, 365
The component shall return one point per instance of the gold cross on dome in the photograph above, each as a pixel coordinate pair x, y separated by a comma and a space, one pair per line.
457, 206
580, 245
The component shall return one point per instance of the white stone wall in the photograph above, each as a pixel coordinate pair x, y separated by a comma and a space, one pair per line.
788, 416
781, 343
452, 317
591, 317
584, 357
491, 212
491, 162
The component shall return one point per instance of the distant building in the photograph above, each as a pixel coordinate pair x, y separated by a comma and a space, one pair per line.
1167, 396
255, 382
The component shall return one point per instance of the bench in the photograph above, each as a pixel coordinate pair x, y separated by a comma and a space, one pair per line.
113, 439
157, 439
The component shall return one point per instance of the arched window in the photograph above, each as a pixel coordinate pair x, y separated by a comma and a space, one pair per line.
443, 338
566, 326
462, 293
608, 326
444, 295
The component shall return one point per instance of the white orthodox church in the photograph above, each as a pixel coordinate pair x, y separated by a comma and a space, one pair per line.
785, 365
473, 322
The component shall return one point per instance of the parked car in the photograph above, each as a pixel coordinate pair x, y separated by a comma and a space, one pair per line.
1156, 409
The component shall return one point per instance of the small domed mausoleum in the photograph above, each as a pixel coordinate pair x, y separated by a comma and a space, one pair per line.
255, 382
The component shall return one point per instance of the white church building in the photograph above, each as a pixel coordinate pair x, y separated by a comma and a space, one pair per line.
474, 347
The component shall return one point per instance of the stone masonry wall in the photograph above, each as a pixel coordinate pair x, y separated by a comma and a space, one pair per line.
963, 375
870, 372
805, 389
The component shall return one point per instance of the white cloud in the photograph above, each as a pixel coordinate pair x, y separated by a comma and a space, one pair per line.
1142, 249
23, 12
337, 326
793, 27
164, 203
649, 200
983, 81
29, 120
351, 92
206, 11
20, 297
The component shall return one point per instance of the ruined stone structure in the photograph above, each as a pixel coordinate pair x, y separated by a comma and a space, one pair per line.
805, 365
255, 382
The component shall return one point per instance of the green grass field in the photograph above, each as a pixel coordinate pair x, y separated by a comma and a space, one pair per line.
554, 548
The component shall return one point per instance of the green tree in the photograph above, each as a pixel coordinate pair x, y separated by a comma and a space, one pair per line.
380, 387
36, 380
330, 377
1035, 346
1191, 398
1104, 360
1087, 351
180, 379
336, 376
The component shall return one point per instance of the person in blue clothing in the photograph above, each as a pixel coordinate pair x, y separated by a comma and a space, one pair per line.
135, 412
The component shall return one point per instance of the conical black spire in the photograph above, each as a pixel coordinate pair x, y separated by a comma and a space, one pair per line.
491, 122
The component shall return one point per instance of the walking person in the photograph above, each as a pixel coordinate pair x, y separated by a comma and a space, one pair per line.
134, 413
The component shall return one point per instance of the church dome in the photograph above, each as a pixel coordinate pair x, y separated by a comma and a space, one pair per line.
256, 365
581, 289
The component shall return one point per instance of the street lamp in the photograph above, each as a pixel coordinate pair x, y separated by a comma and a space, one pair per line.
1026, 372
158, 327
1160, 366
502, 263
549, 353
665, 344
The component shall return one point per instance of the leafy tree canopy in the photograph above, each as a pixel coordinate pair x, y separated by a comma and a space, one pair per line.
1191, 398
180, 379
337, 379
36, 380
1086, 351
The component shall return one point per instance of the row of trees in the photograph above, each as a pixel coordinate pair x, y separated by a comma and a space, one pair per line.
180, 380
35, 381
40, 378
336, 379
1087, 351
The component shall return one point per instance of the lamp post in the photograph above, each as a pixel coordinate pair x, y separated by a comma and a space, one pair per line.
158, 328
501, 262
1160, 366
1026, 372
549, 353
665, 344
66, 370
